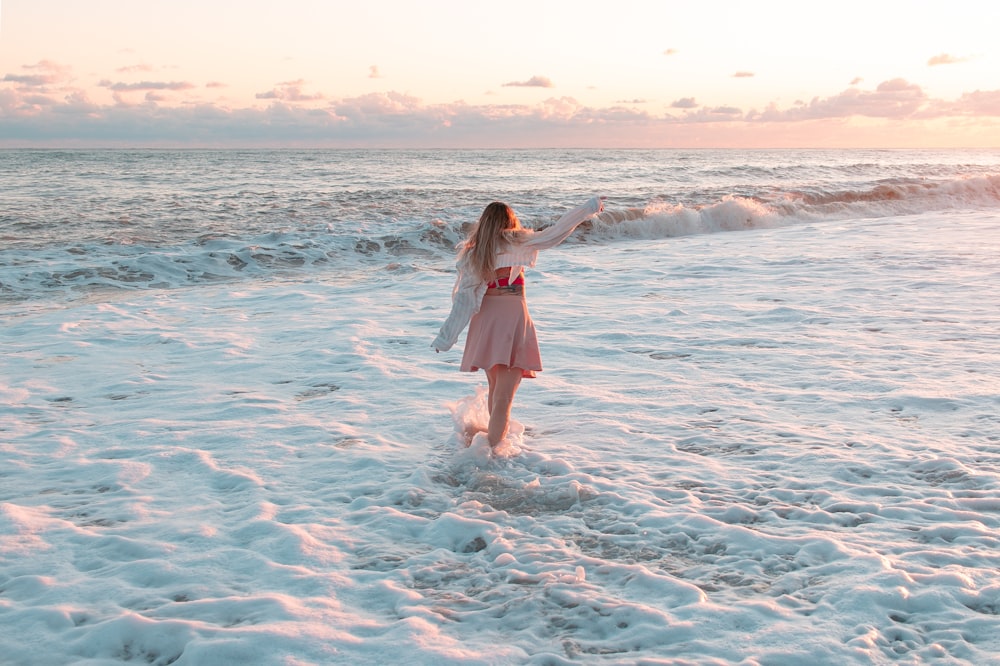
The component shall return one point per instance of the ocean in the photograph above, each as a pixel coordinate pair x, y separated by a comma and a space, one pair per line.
767, 432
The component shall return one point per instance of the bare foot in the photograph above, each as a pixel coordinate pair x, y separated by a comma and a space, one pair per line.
469, 433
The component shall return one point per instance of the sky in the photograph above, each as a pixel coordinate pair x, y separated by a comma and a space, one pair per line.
512, 74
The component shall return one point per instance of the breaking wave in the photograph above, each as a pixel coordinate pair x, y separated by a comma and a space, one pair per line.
429, 244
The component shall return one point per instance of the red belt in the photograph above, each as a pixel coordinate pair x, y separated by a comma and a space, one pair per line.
505, 282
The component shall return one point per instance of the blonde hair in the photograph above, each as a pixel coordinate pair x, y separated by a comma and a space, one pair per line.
498, 226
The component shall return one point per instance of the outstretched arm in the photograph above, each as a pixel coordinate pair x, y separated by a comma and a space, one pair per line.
564, 226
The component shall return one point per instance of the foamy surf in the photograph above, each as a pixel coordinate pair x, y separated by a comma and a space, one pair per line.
774, 444
472, 420
244, 225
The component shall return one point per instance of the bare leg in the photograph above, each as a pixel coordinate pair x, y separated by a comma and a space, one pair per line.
502, 389
491, 379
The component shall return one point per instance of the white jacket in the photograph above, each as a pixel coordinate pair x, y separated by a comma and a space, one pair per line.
469, 289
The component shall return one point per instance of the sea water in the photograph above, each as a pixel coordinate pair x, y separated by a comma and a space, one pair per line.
767, 432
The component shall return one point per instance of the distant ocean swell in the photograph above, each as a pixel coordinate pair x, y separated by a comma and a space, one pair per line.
78, 269
888, 198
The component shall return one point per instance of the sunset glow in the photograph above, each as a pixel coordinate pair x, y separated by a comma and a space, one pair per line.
522, 74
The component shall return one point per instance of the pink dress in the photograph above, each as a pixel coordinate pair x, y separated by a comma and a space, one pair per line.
502, 333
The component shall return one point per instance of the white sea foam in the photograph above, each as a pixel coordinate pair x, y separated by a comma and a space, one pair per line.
177, 218
772, 446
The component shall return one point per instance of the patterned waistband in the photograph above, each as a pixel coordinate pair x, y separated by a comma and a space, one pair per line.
506, 282
517, 289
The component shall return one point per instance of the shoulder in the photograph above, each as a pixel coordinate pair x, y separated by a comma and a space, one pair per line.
517, 239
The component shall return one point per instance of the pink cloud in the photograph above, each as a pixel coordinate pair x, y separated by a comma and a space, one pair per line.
146, 85
714, 114
981, 102
533, 82
392, 119
48, 73
289, 91
134, 68
78, 103
39, 100
35, 80
379, 105
896, 98
743, 75
946, 59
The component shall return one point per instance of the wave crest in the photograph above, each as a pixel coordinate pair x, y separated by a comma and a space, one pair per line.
77, 270
770, 209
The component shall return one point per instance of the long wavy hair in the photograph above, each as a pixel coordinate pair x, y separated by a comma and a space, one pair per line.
498, 226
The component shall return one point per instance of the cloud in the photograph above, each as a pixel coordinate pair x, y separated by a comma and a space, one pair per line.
373, 72
856, 81
34, 80
146, 85
49, 66
946, 59
377, 105
48, 73
896, 98
134, 68
67, 116
533, 82
216, 84
37, 100
637, 100
743, 75
981, 103
290, 91
695, 115
670, 52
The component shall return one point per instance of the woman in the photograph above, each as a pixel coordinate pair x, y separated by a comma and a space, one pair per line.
489, 297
